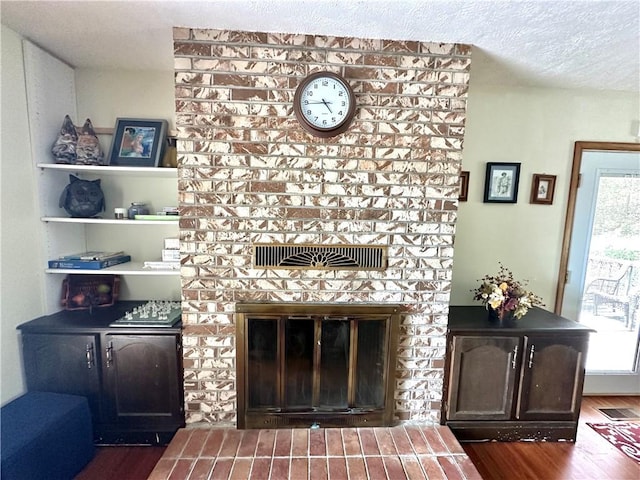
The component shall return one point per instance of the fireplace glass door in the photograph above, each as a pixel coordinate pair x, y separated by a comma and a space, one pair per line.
324, 369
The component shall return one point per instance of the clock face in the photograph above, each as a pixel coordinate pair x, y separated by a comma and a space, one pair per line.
324, 104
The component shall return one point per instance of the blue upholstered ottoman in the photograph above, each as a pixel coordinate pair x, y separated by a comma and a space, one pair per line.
45, 436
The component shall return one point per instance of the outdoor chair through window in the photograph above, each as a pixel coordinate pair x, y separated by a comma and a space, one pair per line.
612, 296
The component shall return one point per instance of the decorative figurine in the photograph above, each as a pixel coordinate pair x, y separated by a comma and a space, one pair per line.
82, 198
64, 148
88, 150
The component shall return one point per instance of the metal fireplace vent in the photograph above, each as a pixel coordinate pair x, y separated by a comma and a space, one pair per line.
357, 257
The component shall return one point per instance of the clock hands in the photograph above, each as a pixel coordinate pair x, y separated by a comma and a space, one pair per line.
326, 104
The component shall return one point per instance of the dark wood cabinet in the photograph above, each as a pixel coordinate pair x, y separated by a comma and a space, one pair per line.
552, 377
132, 376
483, 378
140, 373
517, 382
67, 362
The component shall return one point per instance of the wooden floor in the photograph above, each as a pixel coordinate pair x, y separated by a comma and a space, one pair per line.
122, 463
591, 457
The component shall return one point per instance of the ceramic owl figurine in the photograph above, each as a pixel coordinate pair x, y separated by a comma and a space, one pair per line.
64, 148
82, 198
88, 150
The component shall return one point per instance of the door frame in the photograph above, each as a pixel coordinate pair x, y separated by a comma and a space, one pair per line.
579, 148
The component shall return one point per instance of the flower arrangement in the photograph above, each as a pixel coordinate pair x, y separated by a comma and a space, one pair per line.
505, 295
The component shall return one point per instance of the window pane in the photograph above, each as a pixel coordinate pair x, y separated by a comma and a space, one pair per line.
262, 363
334, 363
299, 363
370, 364
612, 281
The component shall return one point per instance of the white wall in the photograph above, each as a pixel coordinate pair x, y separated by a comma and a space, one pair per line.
537, 127
21, 275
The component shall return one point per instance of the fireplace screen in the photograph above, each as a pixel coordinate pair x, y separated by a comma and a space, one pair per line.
326, 365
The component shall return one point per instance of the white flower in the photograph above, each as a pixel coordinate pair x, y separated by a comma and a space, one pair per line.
496, 297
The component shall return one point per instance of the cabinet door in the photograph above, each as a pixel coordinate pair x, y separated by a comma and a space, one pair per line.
142, 383
552, 377
63, 364
482, 377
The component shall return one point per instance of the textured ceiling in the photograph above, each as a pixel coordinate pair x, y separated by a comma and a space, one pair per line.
563, 43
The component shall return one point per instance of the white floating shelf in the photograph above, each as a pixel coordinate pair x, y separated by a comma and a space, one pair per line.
112, 170
129, 268
110, 221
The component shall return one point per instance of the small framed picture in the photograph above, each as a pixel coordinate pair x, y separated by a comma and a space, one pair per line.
464, 186
542, 189
501, 183
138, 142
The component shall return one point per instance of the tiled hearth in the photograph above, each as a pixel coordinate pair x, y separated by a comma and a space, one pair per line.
403, 452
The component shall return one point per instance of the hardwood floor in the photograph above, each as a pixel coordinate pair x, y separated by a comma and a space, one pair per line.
591, 457
122, 463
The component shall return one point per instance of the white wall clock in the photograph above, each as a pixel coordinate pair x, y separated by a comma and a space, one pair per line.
324, 104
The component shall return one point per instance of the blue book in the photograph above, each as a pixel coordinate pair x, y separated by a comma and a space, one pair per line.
89, 264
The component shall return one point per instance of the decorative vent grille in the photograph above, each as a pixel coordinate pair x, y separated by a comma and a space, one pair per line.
355, 257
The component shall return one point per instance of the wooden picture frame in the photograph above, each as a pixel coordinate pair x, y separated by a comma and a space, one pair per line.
542, 189
138, 142
464, 186
501, 182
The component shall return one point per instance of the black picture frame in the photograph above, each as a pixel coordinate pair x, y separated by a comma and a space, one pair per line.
501, 182
138, 142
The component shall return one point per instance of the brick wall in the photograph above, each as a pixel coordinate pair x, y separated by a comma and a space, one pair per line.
250, 174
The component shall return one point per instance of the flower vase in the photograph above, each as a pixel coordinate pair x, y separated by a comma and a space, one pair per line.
507, 319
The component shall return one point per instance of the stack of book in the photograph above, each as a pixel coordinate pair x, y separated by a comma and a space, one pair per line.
170, 256
167, 214
90, 260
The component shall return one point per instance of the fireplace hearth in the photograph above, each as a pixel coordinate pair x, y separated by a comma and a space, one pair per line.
315, 365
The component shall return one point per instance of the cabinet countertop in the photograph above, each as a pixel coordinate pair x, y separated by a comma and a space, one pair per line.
474, 318
81, 321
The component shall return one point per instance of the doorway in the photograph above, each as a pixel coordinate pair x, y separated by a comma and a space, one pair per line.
599, 282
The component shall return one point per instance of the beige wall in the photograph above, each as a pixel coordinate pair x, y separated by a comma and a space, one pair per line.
21, 276
537, 127
534, 126
104, 95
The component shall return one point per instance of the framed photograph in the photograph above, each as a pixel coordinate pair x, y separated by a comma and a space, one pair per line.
542, 189
501, 183
464, 186
138, 142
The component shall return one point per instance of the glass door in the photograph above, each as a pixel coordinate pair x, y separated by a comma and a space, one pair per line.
309, 363
602, 288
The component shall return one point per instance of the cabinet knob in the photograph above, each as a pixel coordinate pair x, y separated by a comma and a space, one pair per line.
515, 356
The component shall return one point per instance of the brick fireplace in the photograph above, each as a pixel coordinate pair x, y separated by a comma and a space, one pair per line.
249, 174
